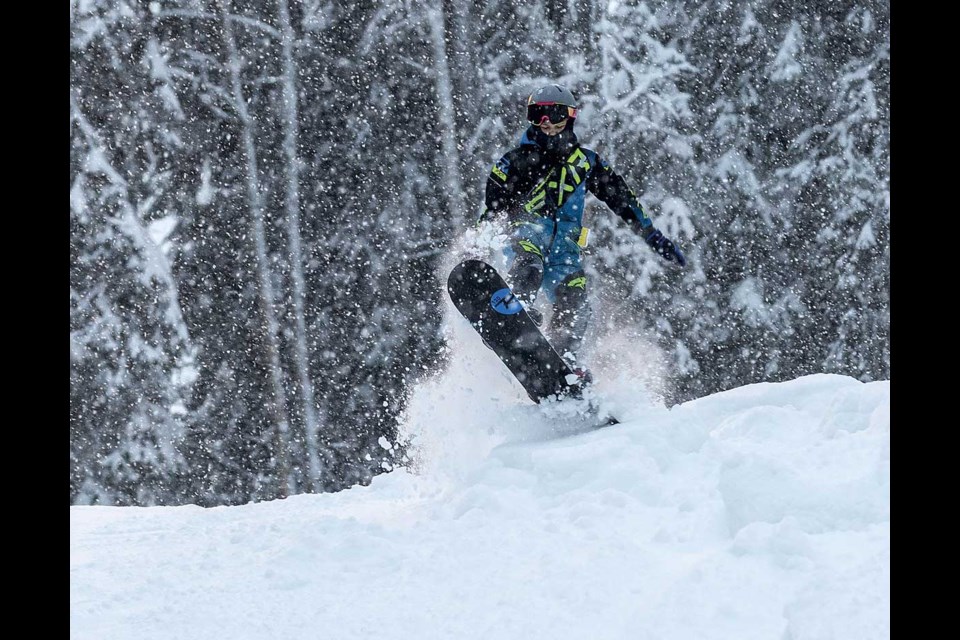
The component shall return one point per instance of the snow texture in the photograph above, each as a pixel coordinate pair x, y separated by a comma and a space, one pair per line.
762, 512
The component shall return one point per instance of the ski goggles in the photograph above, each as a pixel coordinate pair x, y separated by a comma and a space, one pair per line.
552, 111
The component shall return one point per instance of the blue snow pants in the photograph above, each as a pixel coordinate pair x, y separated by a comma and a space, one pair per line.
544, 254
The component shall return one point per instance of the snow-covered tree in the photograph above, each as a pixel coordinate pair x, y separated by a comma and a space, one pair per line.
131, 354
838, 177
770, 76
262, 190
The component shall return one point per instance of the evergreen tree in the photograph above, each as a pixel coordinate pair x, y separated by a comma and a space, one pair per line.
838, 178
262, 193
767, 74
132, 357
636, 115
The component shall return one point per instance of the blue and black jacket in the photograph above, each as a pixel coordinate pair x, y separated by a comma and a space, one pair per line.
548, 176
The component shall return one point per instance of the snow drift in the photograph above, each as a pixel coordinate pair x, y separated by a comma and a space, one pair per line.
761, 512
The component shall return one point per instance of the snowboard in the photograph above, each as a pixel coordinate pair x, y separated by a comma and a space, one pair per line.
485, 300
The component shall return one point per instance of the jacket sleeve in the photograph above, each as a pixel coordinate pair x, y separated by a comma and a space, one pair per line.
501, 192
612, 190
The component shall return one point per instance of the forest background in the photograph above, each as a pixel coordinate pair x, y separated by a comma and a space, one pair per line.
261, 193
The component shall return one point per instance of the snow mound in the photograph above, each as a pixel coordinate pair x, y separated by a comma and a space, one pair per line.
761, 512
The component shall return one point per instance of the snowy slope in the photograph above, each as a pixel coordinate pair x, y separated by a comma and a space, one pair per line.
762, 512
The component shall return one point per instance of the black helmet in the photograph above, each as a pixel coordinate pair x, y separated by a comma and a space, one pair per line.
553, 102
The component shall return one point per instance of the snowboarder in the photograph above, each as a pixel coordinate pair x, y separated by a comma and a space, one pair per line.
538, 189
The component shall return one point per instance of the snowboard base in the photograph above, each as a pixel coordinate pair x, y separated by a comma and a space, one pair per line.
484, 299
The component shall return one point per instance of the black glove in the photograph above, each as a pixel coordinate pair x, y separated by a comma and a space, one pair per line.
662, 245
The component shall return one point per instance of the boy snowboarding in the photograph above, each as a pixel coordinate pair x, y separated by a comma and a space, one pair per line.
538, 189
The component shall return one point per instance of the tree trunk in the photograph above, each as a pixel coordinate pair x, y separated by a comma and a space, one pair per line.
265, 299
291, 131
443, 85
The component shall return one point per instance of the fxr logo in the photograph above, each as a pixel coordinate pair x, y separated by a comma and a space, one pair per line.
504, 302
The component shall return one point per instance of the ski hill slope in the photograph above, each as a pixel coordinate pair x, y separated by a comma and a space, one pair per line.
759, 513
